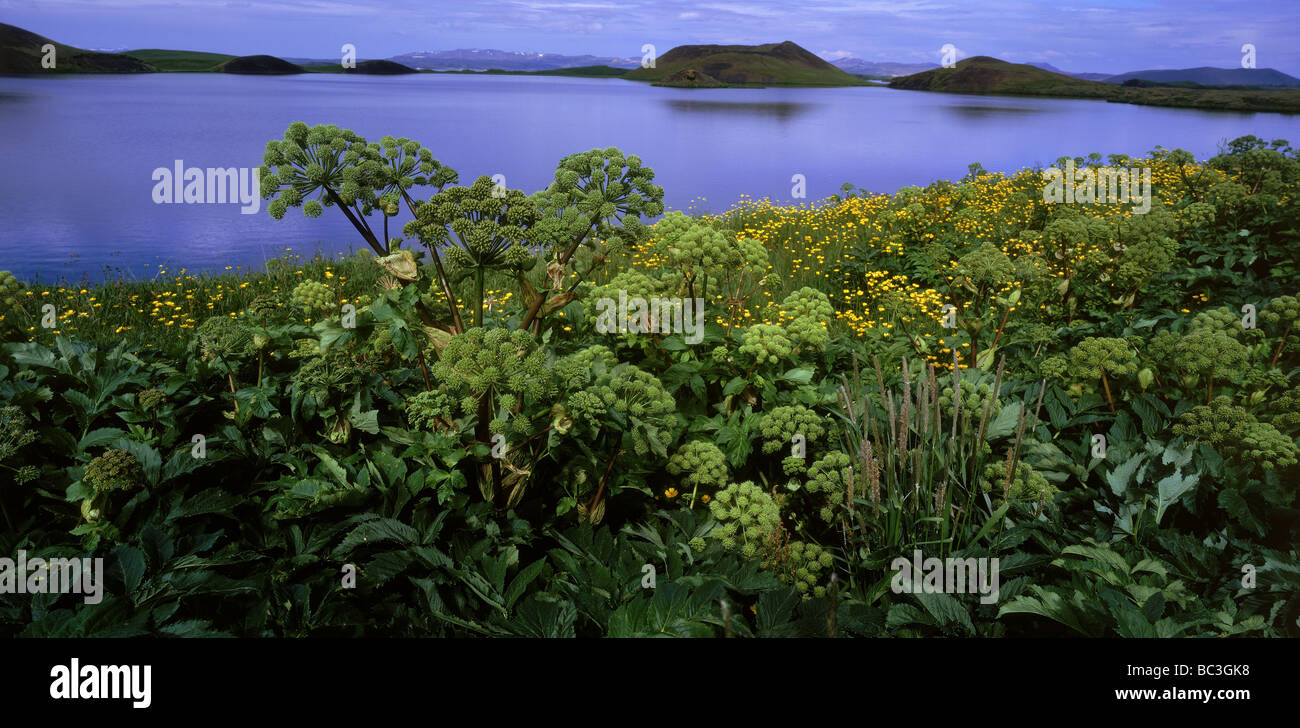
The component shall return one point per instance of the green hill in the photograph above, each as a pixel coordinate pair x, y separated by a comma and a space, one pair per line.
180, 61
771, 64
380, 67
21, 51
985, 75
260, 65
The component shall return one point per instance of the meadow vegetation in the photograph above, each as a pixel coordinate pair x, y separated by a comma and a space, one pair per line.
1107, 402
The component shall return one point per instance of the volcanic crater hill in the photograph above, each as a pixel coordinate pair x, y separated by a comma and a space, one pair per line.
21, 51
380, 67
770, 64
987, 75
260, 65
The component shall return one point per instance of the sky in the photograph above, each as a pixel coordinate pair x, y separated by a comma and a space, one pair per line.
1108, 36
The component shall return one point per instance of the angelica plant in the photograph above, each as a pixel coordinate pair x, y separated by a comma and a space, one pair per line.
699, 463
1236, 434
747, 518
702, 254
312, 297
633, 399
325, 166
1282, 313
765, 344
832, 478
596, 204
501, 366
1204, 354
810, 313
1093, 359
781, 424
978, 278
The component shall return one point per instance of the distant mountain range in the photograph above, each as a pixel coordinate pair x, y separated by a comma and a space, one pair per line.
881, 68
1207, 76
1084, 76
483, 59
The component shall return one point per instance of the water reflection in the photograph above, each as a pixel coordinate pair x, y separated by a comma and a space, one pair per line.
780, 110
985, 112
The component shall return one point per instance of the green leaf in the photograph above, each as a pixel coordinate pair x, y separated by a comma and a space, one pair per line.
96, 438
1171, 488
1120, 478
521, 581
946, 610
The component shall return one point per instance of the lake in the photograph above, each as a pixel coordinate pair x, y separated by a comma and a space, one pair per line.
79, 151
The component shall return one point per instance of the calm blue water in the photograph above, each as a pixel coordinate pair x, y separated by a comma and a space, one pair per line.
79, 151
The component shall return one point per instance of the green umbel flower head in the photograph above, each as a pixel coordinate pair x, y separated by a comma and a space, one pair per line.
781, 425
1026, 483
315, 167
1219, 319
747, 519
262, 306
766, 343
810, 313
634, 399
1094, 355
482, 226
1286, 411
150, 399
324, 375
1237, 435
10, 287
219, 337
312, 296
830, 477
15, 431
972, 400
1200, 352
114, 470
501, 360
700, 463
985, 267
1282, 311
582, 367
599, 197
697, 249
803, 565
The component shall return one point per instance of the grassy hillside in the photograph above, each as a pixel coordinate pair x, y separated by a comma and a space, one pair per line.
771, 64
260, 65
21, 52
180, 61
985, 75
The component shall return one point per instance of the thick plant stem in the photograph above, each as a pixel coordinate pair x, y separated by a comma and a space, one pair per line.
478, 297
1106, 384
1278, 352
456, 323
542, 294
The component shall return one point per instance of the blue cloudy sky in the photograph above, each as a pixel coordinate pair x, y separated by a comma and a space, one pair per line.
1075, 35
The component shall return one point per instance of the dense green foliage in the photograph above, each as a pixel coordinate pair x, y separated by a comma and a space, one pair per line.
450, 446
